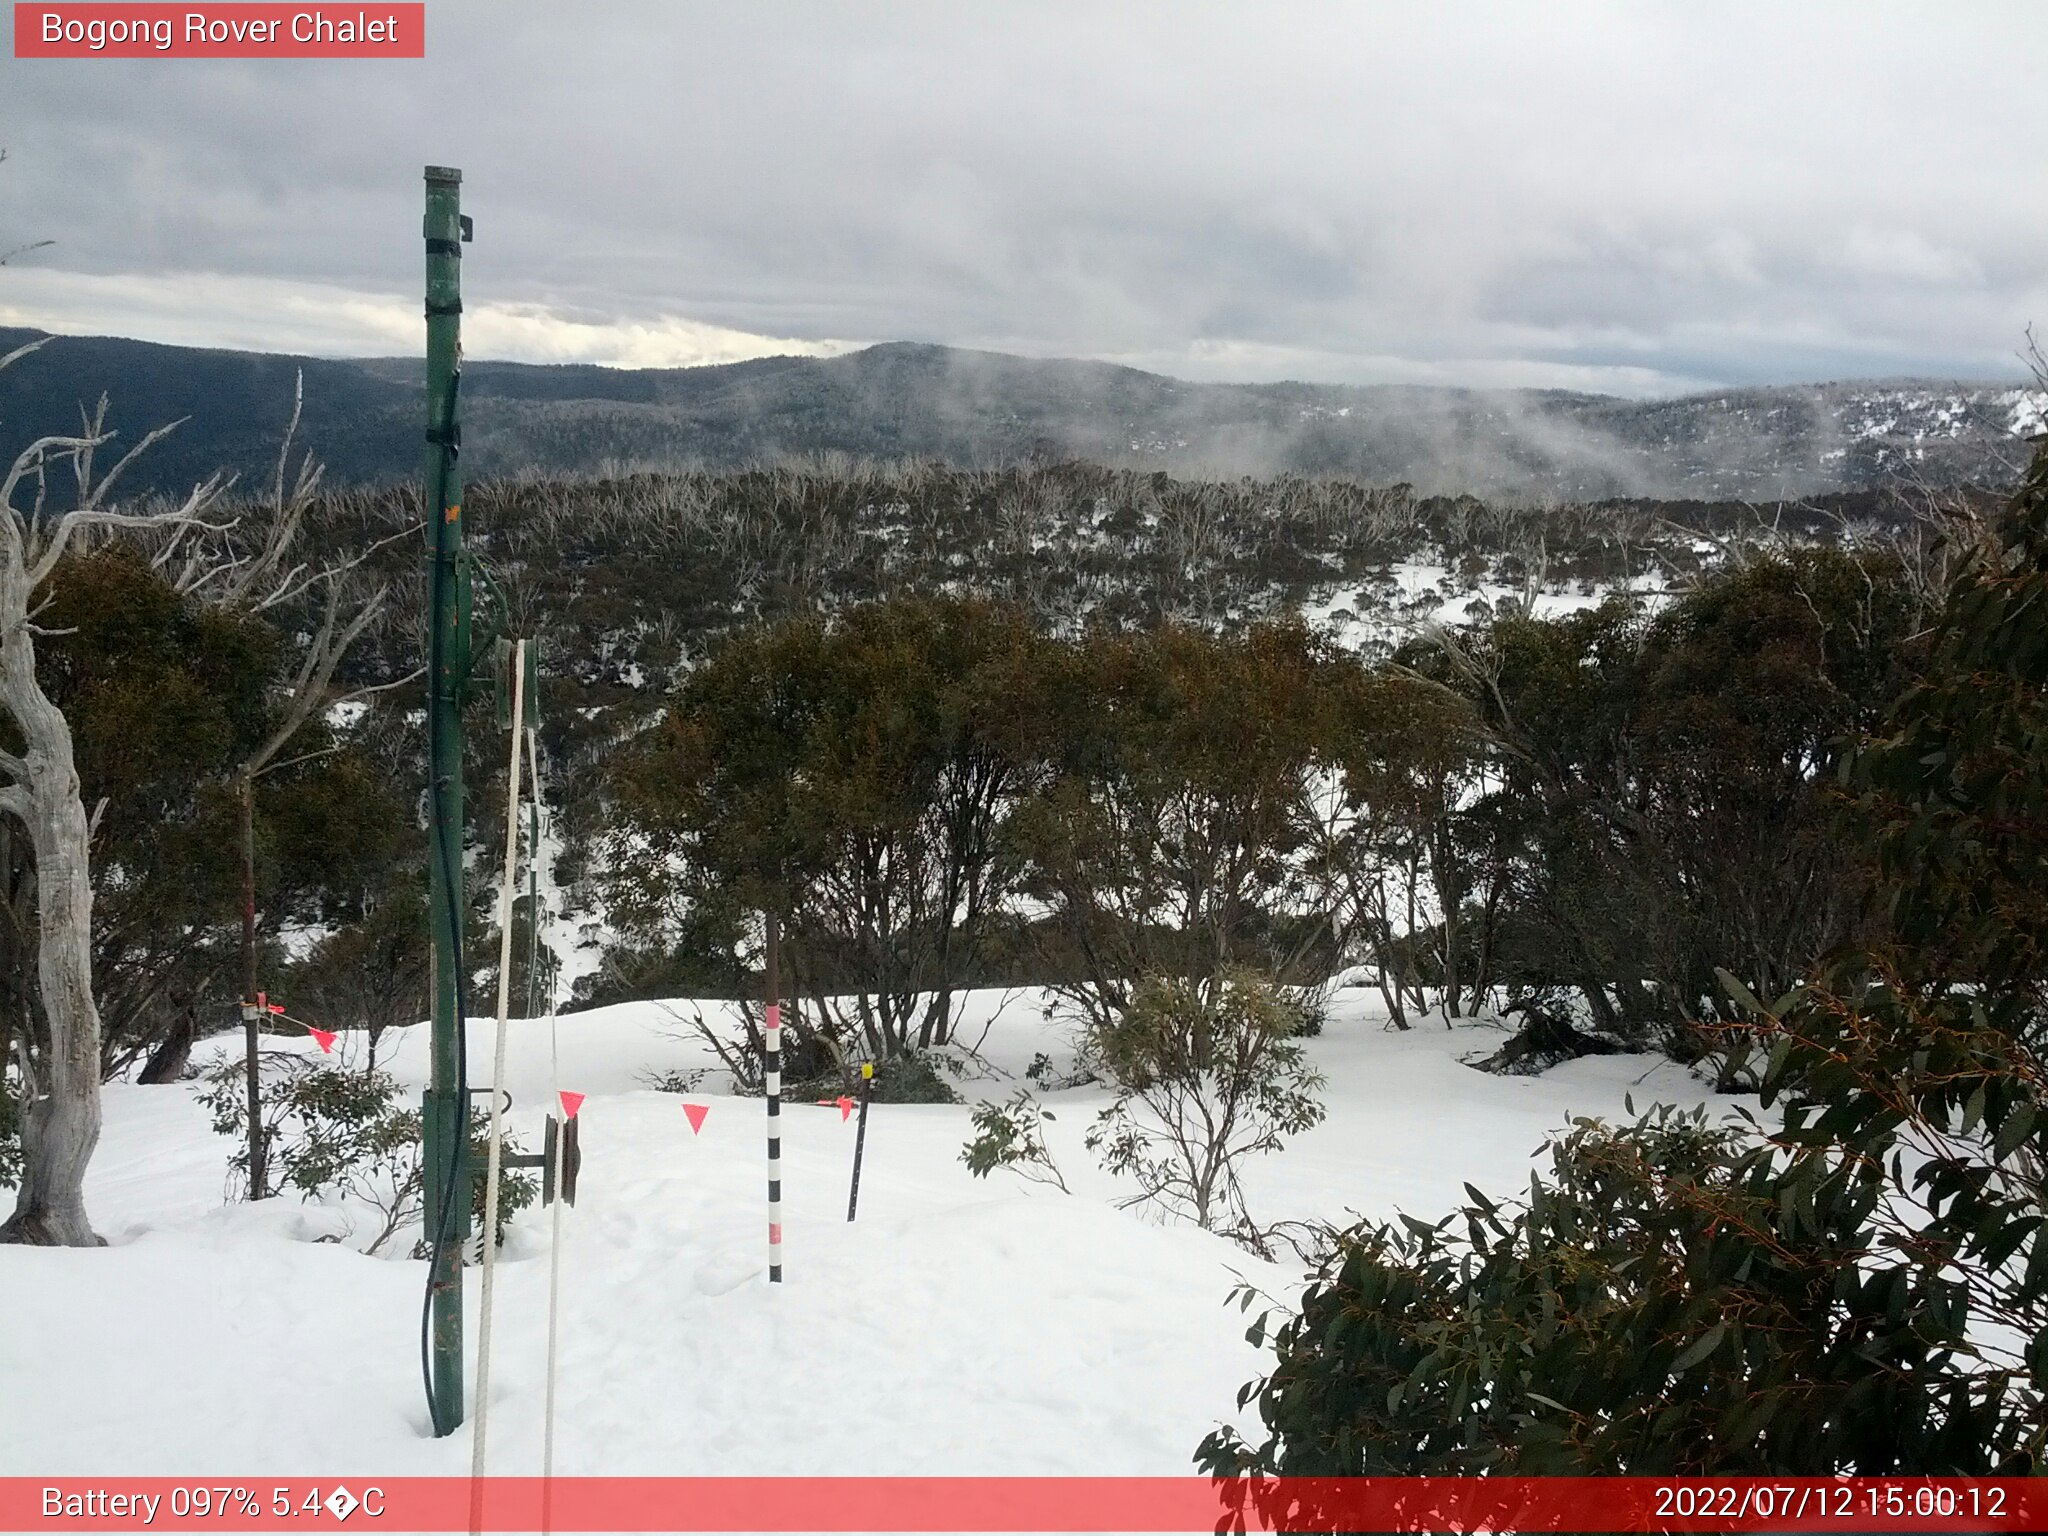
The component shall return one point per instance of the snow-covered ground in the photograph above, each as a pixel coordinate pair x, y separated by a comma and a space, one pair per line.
1415, 593
960, 1326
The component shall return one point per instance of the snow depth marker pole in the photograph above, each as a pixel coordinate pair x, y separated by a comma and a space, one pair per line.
772, 1041
860, 1135
494, 1158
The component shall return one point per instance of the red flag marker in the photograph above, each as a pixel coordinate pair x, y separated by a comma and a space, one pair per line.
571, 1102
696, 1113
324, 1038
845, 1106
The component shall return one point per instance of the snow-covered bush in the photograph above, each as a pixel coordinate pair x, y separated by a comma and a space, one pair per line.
1011, 1135
1205, 1077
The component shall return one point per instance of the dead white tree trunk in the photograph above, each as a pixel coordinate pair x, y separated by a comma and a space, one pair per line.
39, 789
61, 1121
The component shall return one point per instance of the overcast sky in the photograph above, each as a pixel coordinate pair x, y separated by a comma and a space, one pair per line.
1634, 198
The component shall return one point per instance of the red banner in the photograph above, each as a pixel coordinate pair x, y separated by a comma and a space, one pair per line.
216, 31
1018, 1504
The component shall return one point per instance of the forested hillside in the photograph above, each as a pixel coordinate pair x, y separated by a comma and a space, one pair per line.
638, 591
978, 409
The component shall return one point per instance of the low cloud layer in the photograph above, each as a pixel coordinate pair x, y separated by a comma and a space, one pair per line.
1626, 198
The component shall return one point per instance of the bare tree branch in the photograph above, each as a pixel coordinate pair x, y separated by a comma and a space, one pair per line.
24, 349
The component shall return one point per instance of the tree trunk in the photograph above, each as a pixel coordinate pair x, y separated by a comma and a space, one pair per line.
1544, 1040
173, 1054
61, 1123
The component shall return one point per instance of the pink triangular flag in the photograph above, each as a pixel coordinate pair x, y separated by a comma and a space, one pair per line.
324, 1038
696, 1113
571, 1102
845, 1108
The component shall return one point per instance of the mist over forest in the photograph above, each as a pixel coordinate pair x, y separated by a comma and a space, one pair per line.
984, 410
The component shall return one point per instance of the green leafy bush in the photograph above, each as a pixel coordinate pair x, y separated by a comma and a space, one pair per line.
1206, 1077
1861, 1287
1011, 1135
1675, 1297
912, 1078
343, 1134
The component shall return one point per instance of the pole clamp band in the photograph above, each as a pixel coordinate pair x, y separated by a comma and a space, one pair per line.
446, 437
436, 247
444, 309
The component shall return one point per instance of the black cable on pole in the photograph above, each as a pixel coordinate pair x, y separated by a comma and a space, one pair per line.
457, 1142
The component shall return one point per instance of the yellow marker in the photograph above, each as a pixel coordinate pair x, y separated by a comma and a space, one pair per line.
867, 1069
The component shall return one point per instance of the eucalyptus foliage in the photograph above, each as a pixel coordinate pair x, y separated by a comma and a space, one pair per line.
1857, 1283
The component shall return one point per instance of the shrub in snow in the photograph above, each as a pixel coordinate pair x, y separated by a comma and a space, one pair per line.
1163, 831
675, 1079
853, 774
1863, 1288
10, 1133
341, 1134
1311, 1008
1206, 1076
1863, 1291
912, 1078
1011, 1135
807, 1053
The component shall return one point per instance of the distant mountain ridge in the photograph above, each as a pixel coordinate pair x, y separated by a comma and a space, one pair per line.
363, 417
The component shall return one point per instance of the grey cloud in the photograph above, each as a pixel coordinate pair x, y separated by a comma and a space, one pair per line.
1646, 194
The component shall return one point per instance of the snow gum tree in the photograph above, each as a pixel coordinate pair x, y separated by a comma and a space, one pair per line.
39, 790
856, 777
1166, 836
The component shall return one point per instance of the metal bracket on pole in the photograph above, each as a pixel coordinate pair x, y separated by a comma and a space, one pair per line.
502, 690
491, 635
560, 1142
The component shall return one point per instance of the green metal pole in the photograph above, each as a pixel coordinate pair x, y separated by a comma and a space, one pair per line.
446, 1116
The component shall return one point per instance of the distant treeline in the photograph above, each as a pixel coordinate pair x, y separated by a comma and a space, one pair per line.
979, 410
1586, 817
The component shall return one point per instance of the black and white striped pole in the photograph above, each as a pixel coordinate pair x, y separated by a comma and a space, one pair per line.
772, 1043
